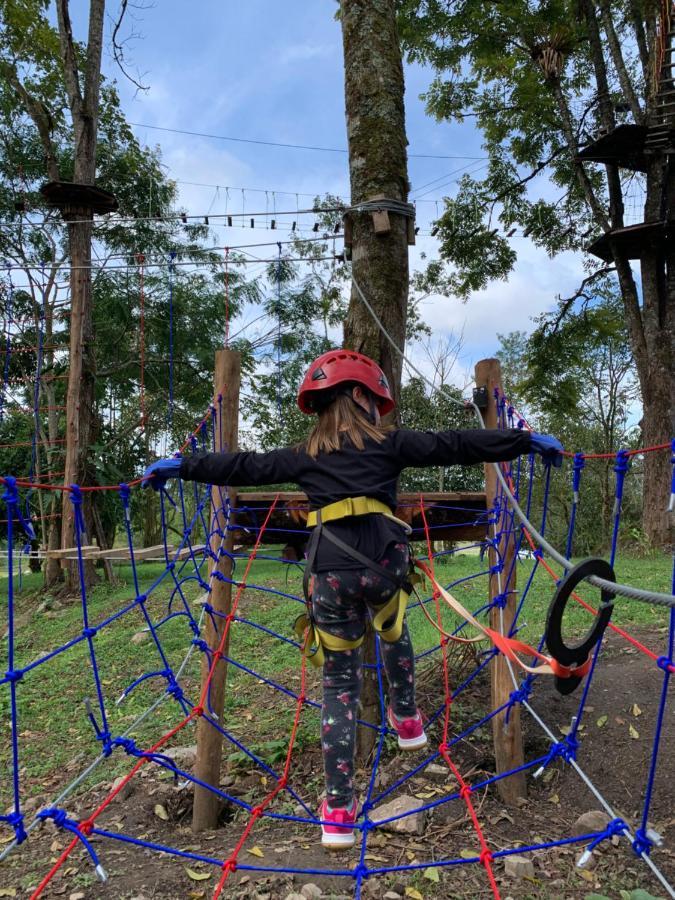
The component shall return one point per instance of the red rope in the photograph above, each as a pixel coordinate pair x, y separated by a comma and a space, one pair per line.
485, 855
86, 825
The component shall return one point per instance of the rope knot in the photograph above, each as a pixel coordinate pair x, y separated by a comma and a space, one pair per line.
465, 792
668, 665
256, 812
174, 689
127, 744
86, 826
15, 819
10, 494
75, 494
89, 632
485, 857
521, 694
283, 781
198, 710
498, 567
361, 871
14, 675
230, 866
125, 494
499, 600
622, 462
617, 827
201, 644
641, 843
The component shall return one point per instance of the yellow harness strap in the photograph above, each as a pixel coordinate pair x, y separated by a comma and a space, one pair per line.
313, 640
387, 621
352, 506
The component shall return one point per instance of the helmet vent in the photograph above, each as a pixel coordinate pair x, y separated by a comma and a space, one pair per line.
318, 375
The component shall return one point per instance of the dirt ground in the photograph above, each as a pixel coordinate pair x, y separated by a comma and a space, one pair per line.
614, 752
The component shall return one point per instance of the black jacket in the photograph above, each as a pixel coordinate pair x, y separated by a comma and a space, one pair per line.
348, 472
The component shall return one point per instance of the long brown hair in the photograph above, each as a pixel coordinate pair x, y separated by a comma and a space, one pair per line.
343, 418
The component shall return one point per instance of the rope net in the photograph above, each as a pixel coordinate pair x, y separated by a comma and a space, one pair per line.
171, 602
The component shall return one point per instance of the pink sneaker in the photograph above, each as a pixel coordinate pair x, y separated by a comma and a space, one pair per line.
339, 834
410, 731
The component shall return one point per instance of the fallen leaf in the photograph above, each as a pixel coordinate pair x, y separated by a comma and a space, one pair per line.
410, 854
633, 732
413, 893
635, 709
373, 857
256, 851
565, 729
586, 875
619, 720
196, 895
425, 795
197, 876
554, 798
432, 874
467, 854
6, 839
161, 812
7, 892
602, 721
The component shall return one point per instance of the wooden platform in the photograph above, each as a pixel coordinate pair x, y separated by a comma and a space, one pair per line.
633, 241
451, 515
624, 146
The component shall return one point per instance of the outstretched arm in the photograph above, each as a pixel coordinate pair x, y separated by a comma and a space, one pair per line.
236, 469
446, 448
244, 468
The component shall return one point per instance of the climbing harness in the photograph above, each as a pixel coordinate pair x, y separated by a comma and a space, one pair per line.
577, 656
388, 619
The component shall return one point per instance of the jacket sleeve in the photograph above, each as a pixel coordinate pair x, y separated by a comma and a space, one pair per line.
245, 468
447, 448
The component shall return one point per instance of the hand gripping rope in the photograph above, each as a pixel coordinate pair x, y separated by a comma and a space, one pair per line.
577, 656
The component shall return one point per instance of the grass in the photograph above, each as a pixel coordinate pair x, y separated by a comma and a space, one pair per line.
57, 739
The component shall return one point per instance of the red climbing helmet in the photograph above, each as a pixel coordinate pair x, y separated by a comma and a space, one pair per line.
337, 367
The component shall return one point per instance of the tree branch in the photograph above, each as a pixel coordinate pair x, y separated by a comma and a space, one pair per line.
567, 304
118, 49
37, 113
619, 62
71, 73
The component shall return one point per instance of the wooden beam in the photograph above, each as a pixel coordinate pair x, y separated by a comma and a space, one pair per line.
507, 736
70, 552
207, 805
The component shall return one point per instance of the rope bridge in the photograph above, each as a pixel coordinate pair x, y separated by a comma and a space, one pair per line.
196, 513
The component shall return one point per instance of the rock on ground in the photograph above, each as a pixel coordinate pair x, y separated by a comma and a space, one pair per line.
518, 867
411, 824
593, 820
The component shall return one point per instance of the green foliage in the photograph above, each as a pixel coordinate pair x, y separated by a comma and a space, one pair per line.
526, 75
576, 381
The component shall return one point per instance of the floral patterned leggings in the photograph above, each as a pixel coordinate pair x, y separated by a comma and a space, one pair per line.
341, 601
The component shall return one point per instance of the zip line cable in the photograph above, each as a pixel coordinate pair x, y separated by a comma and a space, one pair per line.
238, 140
625, 590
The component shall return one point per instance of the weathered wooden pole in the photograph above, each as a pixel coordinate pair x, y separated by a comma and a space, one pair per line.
207, 805
507, 737
377, 238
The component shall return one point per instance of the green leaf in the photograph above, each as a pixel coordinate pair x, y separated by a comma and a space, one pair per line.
432, 874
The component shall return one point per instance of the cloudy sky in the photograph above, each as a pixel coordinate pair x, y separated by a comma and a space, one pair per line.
269, 71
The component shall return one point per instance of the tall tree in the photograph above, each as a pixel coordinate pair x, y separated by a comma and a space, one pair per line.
78, 71
541, 81
377, 168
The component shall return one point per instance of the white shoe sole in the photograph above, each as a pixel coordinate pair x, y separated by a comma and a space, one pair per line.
408, 743
337, 841
412, 743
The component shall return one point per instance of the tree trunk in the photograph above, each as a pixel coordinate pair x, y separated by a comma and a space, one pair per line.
378, 168
81, 377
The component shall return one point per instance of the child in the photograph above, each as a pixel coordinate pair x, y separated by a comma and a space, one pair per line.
360, 560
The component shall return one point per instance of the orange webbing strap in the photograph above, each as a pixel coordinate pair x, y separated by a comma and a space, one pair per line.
508, 646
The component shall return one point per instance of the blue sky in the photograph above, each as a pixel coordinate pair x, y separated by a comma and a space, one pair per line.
273, 71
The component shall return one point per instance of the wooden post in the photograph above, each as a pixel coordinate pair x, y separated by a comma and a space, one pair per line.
207, 805
507, 738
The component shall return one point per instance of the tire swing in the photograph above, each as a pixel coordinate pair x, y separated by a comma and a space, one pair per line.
577, 656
